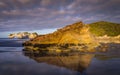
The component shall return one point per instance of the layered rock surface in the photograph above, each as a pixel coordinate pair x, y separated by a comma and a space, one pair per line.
71, 36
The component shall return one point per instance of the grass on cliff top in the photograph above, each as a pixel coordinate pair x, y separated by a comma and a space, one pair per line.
105, 28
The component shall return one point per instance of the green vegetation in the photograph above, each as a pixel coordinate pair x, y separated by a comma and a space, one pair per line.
104, 28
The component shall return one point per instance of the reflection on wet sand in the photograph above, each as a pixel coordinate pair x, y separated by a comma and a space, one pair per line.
74, 62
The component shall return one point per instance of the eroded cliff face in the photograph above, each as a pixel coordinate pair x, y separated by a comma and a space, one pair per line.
75, 36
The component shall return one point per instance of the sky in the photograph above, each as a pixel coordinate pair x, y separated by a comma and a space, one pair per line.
45, 16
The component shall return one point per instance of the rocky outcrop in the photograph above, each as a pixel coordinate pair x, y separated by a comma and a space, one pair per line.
11, 36
22, 35
75, 36
76, 33
32, 35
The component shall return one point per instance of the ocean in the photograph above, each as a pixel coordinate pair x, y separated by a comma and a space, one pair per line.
14, 61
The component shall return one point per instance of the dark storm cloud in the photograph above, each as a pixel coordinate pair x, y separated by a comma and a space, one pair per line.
42, 14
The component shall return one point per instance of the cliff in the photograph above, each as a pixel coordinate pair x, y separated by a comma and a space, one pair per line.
22, 35
72, 34
77, 36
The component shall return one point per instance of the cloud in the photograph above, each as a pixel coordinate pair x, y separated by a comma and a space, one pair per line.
24, 1
2, 4
45, 2
41, 14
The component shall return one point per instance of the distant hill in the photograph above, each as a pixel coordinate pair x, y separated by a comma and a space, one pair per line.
102, 28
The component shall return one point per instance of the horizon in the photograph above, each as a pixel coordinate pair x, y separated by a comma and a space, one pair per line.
43, 31
39, 32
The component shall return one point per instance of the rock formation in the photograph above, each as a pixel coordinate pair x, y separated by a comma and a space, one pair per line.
77, 36
22, 35
75, 33
69, 37
11, 36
